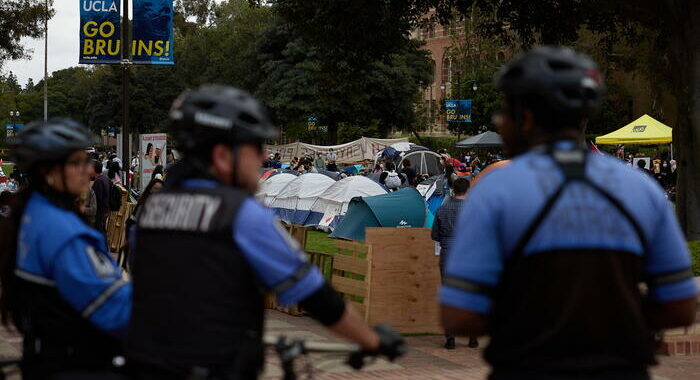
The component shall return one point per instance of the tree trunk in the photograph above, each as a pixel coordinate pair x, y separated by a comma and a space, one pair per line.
332, 133
685, 58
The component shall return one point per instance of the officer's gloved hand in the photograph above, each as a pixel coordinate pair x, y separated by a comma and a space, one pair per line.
391, 345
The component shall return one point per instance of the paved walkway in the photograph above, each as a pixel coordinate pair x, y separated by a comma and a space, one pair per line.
426, 359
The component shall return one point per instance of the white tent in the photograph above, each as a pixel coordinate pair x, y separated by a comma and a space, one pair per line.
293, 203
272, 186
331, 206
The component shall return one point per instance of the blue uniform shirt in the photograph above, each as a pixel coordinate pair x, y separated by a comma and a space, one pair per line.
502, 205
56, 248
274, 257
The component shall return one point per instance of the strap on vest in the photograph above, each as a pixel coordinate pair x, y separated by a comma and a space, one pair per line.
467, 285
572, 164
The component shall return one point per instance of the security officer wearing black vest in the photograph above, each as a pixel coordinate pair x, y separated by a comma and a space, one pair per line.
565, 239
205, 252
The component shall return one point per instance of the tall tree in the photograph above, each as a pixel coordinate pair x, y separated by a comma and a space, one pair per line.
297, 84
18, 19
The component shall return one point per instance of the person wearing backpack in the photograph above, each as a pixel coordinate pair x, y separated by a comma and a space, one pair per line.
390, 178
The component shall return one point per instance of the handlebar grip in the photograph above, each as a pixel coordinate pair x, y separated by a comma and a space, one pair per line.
356, 360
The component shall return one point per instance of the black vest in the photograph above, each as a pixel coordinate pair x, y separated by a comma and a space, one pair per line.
197, 302
56, 337
571, 309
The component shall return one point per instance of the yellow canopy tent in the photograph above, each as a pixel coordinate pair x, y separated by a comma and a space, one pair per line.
646, 131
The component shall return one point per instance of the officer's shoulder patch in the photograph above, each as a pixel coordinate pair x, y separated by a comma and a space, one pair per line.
100, 263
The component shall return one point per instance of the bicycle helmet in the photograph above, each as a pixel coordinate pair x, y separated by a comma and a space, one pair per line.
49, 141
567, 82
215, 114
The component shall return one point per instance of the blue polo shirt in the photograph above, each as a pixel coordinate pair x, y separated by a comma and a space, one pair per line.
502, 205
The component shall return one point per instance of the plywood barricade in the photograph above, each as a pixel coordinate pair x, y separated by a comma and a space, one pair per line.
116, 223
397, 280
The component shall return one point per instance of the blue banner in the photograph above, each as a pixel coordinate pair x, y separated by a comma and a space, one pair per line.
459, 111
100, 31
313, 125
12, 129
152, 38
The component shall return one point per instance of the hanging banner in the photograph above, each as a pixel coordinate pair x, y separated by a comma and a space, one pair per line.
459, 111
364, 148
313, 125
100, 31
152, 153
152, 37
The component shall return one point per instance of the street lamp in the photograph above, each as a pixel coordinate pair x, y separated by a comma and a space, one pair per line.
13, 117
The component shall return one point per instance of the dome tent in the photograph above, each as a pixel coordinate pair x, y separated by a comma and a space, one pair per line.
272, 186
331, 206
403, 208
423, 160
293, 203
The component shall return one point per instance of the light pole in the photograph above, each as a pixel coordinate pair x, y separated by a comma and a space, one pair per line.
46, 61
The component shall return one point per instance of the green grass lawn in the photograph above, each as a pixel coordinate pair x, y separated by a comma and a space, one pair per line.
317, 241
694, 247
7, 169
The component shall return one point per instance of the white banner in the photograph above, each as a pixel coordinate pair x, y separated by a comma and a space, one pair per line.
153, 153
362, 149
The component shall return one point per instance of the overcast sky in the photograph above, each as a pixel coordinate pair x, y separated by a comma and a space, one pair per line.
63, 44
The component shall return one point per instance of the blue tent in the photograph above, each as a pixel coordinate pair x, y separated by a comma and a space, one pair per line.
403, 208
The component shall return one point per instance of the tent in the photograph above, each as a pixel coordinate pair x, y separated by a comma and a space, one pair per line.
403, 208
331, 206
266, 173
293, 203
488, 139
645, 130
272, 186
423, 160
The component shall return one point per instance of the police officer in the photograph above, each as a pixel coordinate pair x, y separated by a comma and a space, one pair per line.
60, 287
205, 250
565, 238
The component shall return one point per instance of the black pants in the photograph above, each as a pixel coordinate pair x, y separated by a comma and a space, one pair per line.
443, 261
101, 221
497, 374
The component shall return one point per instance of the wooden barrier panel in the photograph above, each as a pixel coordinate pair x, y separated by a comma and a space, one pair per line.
405, 278
352, 275
116, 223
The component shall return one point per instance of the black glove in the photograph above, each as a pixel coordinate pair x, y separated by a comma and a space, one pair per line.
391, 344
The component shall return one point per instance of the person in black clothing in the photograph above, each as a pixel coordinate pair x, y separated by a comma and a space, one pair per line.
443, 233
409, 172
101, 187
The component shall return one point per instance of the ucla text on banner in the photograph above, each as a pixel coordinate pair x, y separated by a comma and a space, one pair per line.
458, 111
152, 38
100, 31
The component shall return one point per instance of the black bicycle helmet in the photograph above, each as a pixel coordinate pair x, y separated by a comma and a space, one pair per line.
566, 81
216, 113
49, 141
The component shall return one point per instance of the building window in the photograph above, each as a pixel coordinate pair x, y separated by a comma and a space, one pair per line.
446, 69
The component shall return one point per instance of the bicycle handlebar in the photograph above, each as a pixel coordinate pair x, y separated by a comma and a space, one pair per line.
321, 347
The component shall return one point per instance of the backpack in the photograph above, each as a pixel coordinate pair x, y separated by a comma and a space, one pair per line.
115, 197
392, 181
